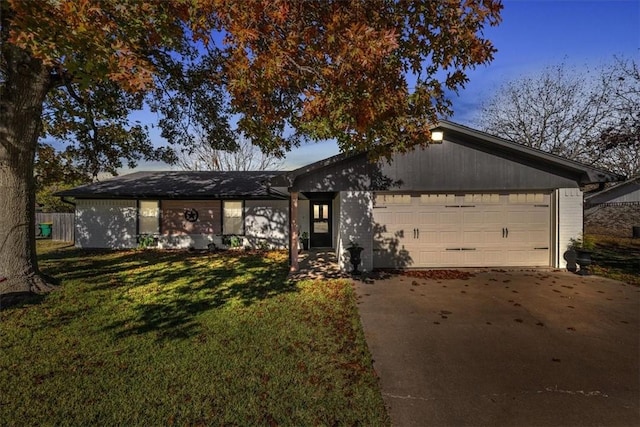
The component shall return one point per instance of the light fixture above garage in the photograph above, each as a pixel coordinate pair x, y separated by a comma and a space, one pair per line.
437, 136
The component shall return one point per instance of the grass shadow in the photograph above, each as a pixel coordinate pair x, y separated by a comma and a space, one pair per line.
20, 300
165, 292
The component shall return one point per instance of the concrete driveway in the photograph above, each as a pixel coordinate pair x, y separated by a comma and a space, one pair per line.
513, 348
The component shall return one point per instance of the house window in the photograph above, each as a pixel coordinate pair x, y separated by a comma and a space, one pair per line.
148, 217
232, 219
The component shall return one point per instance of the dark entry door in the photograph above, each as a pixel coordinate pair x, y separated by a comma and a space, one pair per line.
320, 223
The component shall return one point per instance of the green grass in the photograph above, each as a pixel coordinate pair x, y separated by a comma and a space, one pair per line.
617, 258
179, 338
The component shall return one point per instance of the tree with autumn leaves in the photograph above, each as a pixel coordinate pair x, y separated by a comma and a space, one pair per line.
373, 74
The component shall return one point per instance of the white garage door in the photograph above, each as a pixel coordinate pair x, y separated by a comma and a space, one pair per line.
471, 230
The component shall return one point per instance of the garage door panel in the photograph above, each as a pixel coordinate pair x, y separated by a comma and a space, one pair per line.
473, 217
493, 221
428, 238
525, 220
527, 237
528, 257
428, 258
538, 237
383, 217
473, 258
451, 216
449, 238
481, 237
405, 218
473, 237
452, 258
492, 254
427, 218
469, 230
518, 236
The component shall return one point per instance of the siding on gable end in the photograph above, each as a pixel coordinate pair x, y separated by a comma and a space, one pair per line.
267, 221
569, 220
461, 167
356, 223
106, 223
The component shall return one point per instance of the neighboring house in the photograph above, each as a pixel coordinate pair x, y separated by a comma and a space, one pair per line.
614, 210
474, 200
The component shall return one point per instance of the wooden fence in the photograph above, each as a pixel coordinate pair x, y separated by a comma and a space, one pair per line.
63, 225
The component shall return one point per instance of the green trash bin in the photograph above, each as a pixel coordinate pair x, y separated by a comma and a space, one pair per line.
45, 229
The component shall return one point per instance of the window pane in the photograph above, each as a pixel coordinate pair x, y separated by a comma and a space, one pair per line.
232, 221
148, 216
321, 226
320, 211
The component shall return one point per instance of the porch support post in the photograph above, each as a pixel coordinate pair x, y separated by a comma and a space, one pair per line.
293, 231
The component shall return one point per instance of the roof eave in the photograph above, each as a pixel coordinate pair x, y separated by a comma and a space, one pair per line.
588, 174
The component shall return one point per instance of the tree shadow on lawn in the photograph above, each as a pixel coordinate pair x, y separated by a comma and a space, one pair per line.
162, 292
83, 264
177, 296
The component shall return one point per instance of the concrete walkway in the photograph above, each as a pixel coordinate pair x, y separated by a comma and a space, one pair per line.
318, 264
505, 348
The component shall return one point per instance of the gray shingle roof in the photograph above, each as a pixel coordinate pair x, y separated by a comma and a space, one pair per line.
180, 185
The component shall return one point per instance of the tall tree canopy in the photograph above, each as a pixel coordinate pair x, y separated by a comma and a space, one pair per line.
589, 115
55, 172
370, 73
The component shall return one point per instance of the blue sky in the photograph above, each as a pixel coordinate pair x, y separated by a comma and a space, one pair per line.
533, 34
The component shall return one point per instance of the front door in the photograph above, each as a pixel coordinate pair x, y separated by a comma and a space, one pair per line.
320, 224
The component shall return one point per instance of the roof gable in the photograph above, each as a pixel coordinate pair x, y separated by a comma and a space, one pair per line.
460, 160
535, 157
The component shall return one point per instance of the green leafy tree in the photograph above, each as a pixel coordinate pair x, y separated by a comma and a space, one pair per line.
370, 73
55, 172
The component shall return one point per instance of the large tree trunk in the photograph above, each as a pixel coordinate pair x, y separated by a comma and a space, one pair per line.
21, 102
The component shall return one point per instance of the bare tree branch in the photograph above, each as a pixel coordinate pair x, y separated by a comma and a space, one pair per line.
587, 115
245, 157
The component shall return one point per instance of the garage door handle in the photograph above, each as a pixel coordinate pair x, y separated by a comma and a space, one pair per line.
503, 232
507, 230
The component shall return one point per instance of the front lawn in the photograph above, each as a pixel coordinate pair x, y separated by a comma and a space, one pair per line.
617, 258
183, 338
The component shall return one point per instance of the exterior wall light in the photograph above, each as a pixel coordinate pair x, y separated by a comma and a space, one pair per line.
437, 136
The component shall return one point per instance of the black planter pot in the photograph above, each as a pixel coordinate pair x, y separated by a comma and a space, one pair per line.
583, 259
355, 258
305, 244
